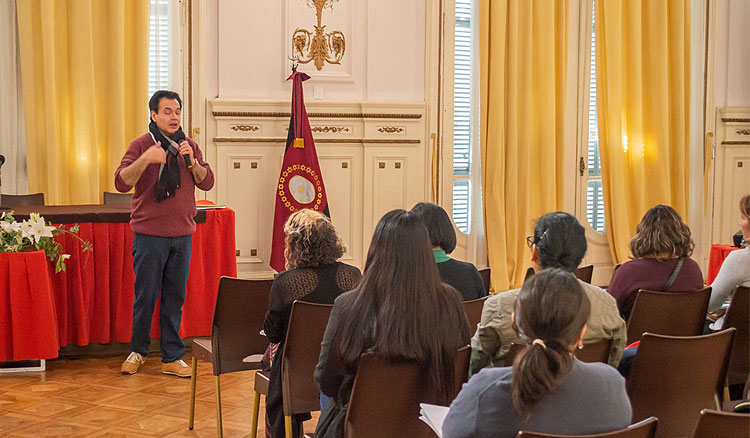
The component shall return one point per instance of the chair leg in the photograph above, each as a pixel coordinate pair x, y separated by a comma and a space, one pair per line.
219, 429
288, 426
256, 410
193, 378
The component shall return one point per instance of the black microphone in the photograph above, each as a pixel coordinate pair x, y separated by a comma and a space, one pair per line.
179, 137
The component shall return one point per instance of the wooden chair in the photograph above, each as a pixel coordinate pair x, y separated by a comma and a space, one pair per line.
672, 378
307, 324
584, 273
30, 199
117, 198
238, 318
485, 274
473, 311
643, 429
668, 313
377, 411
737, 317
461, 368
712, 424
596, 351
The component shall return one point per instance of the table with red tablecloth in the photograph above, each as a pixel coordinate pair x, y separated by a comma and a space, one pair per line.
715, 260
93, 298
28, 323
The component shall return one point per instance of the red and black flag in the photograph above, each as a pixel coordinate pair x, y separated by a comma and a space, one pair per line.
300, 183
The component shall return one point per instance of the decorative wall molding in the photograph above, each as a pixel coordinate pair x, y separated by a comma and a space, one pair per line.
391, 129
318, 140
734, 120
245, 128
735, 142
273, 114
330, 129
743, 131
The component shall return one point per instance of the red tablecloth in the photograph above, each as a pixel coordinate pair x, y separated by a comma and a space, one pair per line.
716, 258
94, 297
28, 324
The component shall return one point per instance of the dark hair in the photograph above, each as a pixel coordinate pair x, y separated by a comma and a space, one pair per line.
662, 235
560, 241
553, 308
311, 240
153, 103
745, 206
438, 224
401, 310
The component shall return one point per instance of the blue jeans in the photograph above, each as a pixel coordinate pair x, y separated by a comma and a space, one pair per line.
161, 264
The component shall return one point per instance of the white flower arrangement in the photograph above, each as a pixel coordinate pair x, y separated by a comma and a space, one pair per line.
35, 234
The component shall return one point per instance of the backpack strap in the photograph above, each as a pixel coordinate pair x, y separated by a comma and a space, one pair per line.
675, 273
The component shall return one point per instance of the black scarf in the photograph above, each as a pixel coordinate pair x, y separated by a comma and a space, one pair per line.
169, 172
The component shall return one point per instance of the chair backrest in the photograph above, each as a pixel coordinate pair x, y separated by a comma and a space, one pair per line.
238, 319
584, 273
737, 317
111, 198
712, 424
30, 199
385, 397
307, 324
529, 274
596, 351
473, 310
486, 277
461, 368
672, 378
642, 429
513, 350
668, 313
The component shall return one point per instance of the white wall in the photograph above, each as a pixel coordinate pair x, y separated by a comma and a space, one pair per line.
732, 53
385, 49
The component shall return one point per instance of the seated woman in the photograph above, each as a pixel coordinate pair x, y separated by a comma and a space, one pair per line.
461, 275
559, 241
735, 271
661, 249
547, 389
400, 311
312, 275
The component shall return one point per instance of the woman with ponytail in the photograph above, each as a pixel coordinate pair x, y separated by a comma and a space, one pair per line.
547, 389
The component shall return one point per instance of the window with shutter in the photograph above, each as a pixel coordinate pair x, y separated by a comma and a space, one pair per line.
158, 49
462, 114
594, 195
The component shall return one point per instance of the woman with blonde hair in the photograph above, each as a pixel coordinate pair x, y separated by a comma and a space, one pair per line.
661, 249
735, 271
313, 275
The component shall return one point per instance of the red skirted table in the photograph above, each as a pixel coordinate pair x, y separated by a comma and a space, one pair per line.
715, 260
94, 298
28, 323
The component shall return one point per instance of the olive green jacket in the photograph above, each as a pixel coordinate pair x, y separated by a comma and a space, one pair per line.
495, 331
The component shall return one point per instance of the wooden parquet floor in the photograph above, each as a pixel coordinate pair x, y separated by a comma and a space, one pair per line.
90, 398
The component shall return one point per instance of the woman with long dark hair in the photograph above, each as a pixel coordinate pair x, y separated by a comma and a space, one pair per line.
400, 311
313, 274
547, 389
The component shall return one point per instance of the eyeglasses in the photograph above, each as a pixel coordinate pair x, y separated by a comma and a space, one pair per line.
529, 241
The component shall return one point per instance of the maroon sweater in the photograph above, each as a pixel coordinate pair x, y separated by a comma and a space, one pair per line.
651, 274
174, 216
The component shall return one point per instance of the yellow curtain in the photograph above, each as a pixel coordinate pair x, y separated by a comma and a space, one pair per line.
522, 55
84, 70
643, 86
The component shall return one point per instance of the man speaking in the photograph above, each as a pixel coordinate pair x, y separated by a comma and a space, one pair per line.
165, 167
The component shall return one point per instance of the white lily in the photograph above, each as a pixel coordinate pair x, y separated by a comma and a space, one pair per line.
37, 228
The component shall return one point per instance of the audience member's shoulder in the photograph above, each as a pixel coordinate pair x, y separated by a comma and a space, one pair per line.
491, 375
345, 297
595, 293
599, 373
458, 264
